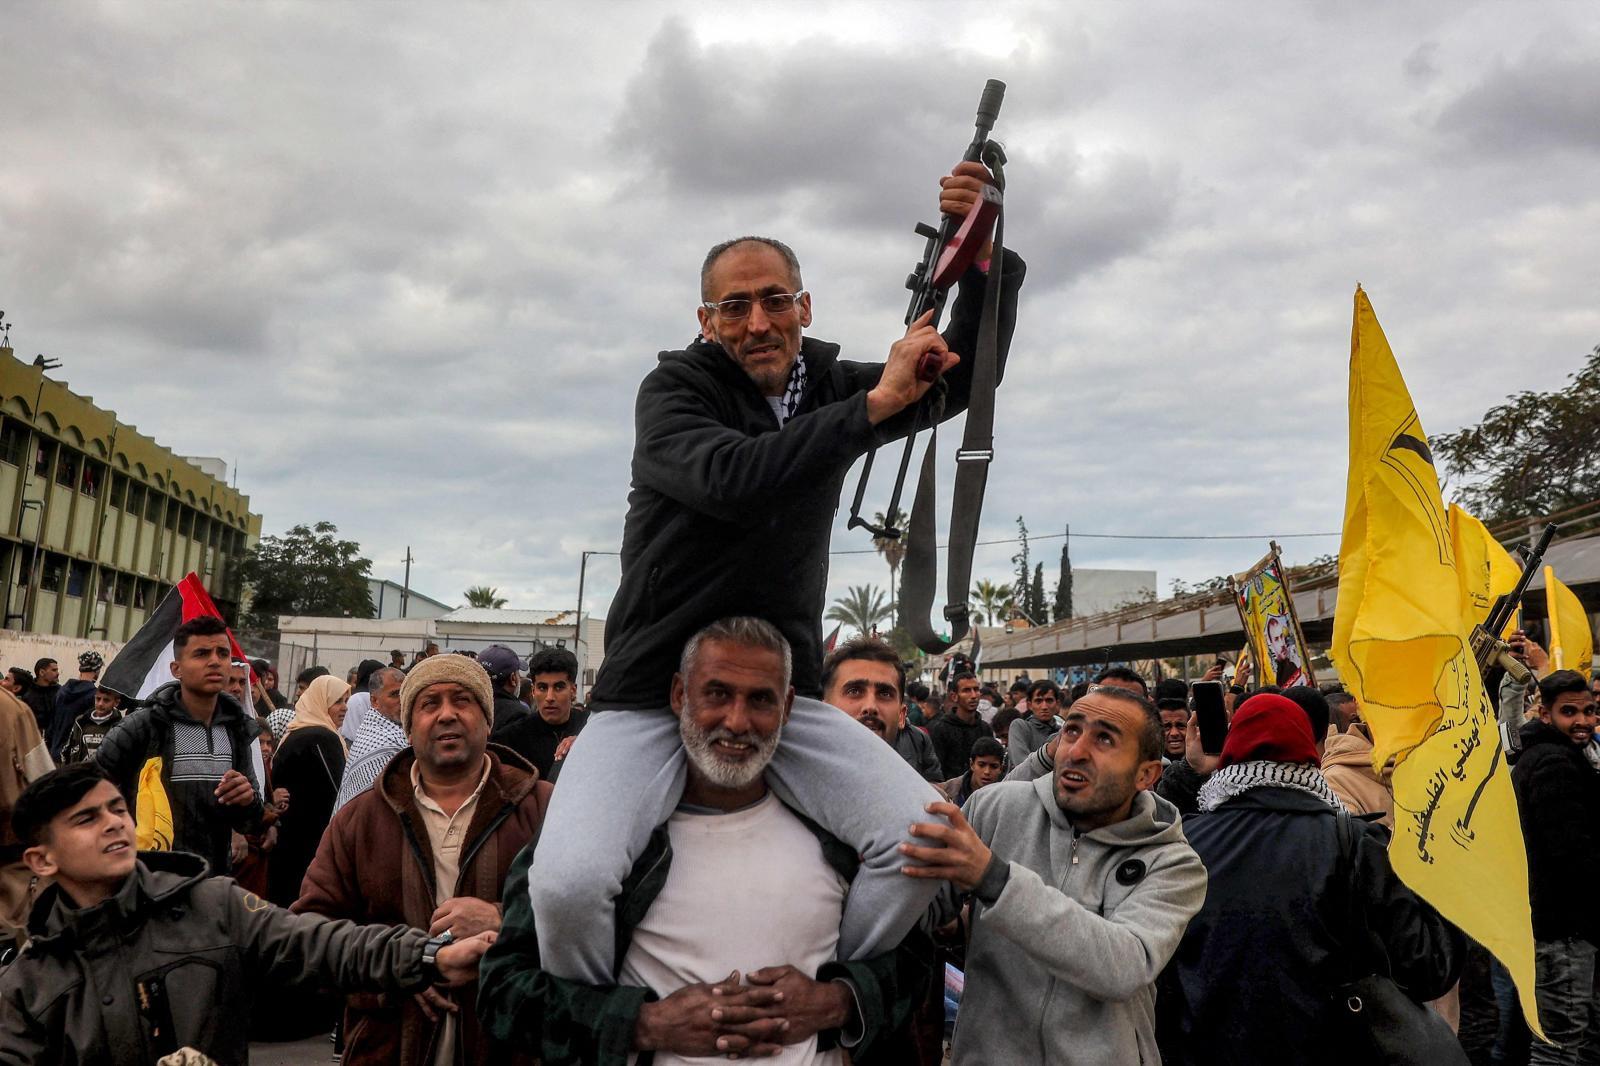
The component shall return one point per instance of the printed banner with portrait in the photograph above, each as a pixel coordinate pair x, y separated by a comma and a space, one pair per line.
1278, 648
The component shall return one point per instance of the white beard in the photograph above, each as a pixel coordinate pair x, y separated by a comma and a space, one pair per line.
697, 744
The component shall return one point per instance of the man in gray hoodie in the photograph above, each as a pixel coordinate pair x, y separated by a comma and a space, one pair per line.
1081, 885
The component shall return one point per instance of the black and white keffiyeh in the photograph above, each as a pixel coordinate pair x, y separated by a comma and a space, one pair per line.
793, 391
1241, 777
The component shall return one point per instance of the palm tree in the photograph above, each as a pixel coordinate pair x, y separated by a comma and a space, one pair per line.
893, 550
861, 608
991, 601
484, 596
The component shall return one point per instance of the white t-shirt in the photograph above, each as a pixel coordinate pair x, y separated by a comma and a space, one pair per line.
747, 890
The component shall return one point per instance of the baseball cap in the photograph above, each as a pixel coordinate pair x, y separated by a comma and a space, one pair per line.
499, 661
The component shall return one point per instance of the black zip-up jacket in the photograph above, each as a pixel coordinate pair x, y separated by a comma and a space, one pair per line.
1558, 796
200, 824
1253, 979
730, 515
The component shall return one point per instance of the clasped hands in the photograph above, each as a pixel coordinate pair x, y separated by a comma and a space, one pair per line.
779, 1005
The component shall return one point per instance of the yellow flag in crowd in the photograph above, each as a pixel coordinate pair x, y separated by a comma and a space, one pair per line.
1571, 641
1400, 642
1485, 569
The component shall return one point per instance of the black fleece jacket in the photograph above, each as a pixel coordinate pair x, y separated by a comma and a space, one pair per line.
729, 514
1558, 796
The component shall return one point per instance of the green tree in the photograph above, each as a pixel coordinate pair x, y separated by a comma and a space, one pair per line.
1023, 564
1532, 455
307, 571
862, 608
991, 602
484, 596
1063, 604
1036, 608
893, 550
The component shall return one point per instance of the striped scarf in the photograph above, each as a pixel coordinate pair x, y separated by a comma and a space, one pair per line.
794, 390
1232, 781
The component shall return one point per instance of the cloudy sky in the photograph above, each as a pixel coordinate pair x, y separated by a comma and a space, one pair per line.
405, 264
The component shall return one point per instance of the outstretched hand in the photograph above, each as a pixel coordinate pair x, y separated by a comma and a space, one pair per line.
959, 856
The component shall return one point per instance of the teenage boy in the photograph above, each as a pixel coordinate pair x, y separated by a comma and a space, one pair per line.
136, 956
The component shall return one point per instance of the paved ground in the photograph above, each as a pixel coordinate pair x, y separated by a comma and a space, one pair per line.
316, 1051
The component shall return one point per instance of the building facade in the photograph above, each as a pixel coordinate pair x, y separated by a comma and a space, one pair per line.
98, 521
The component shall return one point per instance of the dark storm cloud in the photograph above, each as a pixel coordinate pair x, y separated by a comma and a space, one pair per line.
1546, 97
405, 264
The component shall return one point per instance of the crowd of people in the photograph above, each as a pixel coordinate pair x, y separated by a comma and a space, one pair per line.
743, 845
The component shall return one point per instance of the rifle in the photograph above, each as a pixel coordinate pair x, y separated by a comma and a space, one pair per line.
950, 251
1487, 647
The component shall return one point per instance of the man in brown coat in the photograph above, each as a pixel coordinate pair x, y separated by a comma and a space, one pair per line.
429, 845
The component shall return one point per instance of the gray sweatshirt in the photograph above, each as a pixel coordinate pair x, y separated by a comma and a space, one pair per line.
1027, 736
1062, 968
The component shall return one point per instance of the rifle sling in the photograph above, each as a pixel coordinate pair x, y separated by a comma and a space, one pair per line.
921, 567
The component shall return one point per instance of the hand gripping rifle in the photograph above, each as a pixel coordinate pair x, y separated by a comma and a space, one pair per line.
1487, 647
950, 251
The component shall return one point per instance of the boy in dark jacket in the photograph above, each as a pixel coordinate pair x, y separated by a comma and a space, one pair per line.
90, 728
133, 957
205, 741
74, 701
1558, 795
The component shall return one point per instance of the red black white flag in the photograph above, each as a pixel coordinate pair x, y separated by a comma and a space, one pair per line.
144, 663
833, 639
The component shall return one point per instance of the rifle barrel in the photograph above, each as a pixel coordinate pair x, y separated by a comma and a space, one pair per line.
1506, 605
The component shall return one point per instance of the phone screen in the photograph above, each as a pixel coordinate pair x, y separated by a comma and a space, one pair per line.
1210, 714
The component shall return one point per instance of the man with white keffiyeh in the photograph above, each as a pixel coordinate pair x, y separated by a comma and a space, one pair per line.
1292, 911
742, 442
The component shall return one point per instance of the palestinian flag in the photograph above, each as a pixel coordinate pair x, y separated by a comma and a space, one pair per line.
144, 663
832, 641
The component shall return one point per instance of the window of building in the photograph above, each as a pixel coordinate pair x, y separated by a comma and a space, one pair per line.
119, 490
185, 521
43, 456
152, 510
102, 591
123, 591
77, 577
135, 498
173, 507
67, 468
200, 526
141, 594
13, 441
54, 568
94, 475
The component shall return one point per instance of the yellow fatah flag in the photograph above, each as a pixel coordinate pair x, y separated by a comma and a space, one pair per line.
1486, 570
1571, 640
1400, 643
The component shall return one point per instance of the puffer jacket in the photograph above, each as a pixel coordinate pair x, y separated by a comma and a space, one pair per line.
175, 959
1347, 767
375, 864
1558, 796
200, 825
75, 699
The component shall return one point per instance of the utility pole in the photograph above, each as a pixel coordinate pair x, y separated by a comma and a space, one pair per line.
577, 628
405, 591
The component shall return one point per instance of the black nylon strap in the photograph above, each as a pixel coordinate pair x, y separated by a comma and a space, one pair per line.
921, 567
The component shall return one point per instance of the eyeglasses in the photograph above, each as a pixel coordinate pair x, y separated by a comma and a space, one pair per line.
776, 303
